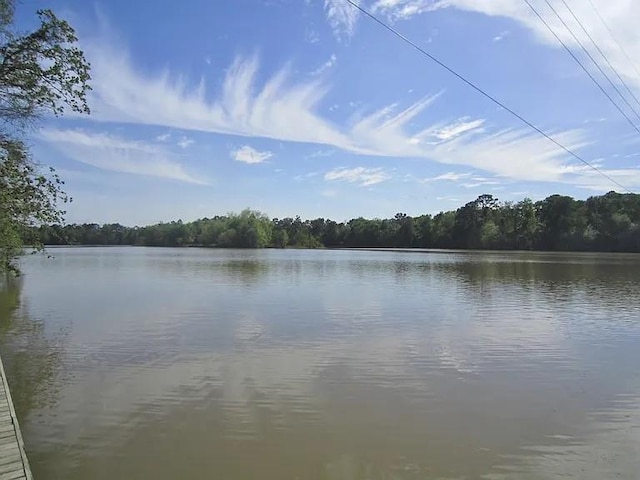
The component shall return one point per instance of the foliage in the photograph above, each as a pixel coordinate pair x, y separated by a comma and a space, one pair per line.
606, 223
28, 198
41, 72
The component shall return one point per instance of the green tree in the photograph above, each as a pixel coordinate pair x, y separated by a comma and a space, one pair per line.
606, 223
280, 238
405, 230
562, 223
468, 226
42, 72
442, 229
518, 225
424, 231
252, 230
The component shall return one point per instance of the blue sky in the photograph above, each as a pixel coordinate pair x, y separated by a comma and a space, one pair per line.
305, 107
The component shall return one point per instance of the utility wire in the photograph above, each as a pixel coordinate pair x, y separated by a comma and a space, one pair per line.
613, 36
593, 60
601, 52
483, 92
586, 70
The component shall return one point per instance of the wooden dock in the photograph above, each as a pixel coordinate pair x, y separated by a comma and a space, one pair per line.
13, 459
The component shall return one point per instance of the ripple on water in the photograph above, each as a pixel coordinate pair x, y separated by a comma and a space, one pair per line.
333, 365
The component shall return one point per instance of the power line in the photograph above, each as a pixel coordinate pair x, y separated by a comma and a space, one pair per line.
577, 60
601, 52
622, 49
484, 93
593, 60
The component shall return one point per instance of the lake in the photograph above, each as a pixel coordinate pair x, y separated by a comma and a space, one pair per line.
144, 363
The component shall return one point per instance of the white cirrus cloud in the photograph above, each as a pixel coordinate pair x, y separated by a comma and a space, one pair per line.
466, 179
457, 128
185, 142
591, 180
311, 36
247, 154
405, 9
330, 63
364, 177
110, 152
287, 110
450, 176
619, 26
342, 17
501, 36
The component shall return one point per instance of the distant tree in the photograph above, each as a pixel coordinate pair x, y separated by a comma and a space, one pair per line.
606, 223
424, 231
467, 229
252, 229
330, 236
443, 225
280, 238
560, 222
405, 230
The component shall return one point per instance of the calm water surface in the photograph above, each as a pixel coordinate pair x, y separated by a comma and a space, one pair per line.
145, 363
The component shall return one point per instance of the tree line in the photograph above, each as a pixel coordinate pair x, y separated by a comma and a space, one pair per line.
609, 222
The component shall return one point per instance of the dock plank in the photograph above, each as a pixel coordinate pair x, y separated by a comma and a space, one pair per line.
13, 458
15, 475
9, 452
12, 467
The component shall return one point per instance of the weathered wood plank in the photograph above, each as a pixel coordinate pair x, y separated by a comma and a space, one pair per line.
4, 454
10, 437
12, 467
8, 445
15, 475
7, 441
10, 459
7, 427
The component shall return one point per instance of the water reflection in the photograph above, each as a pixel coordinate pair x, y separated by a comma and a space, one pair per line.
32, 356
336, 365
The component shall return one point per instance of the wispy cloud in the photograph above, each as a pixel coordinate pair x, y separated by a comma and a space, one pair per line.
619, 15
247, 154
448, 199
450, 176
326, 65
289, 111
311, 36
342, 17
278, 109
466, 179
476, 184
592, 180
164, 137
405, 9
109, 152
321, 153
185, 142
456, 129
501, 36
362, 176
